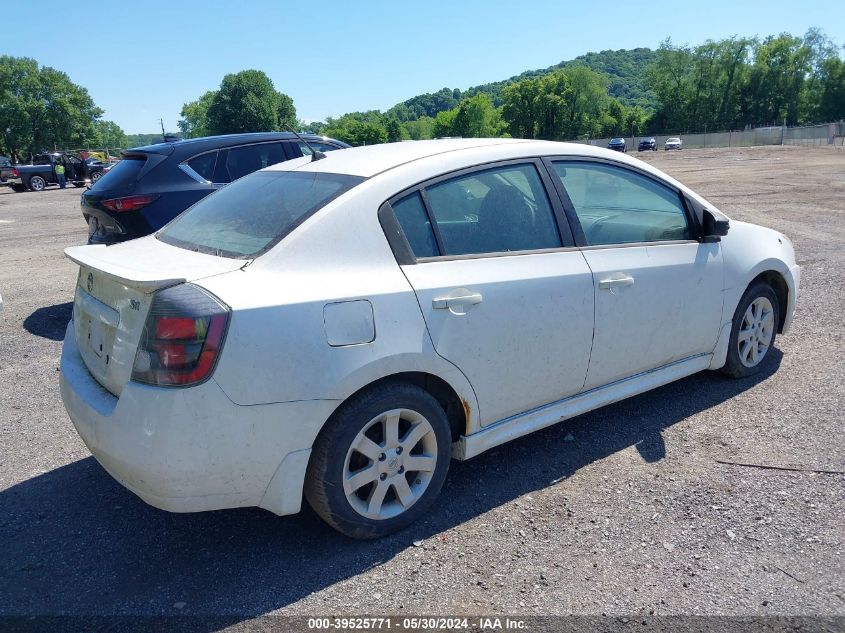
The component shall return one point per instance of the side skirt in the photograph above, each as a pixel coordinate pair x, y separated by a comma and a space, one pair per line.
547, 415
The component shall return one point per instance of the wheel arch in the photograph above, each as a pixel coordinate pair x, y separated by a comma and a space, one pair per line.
778, 283
458, 408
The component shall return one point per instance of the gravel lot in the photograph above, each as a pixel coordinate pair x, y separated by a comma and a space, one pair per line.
621, 511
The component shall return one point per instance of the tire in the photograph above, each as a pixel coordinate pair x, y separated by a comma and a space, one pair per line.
37, 183
18, 188
753, 333
96, 176
344, 486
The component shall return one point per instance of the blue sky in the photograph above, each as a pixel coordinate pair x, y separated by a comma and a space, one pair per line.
143, 60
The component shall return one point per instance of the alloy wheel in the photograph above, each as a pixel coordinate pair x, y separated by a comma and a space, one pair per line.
390, 464
756, 332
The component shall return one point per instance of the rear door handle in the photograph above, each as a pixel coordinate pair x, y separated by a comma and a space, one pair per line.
616, 280
456, 301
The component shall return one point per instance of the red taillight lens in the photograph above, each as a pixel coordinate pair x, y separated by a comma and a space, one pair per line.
182, 337
130, 203
16, 173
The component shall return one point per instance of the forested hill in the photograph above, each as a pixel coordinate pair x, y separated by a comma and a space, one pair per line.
625, 68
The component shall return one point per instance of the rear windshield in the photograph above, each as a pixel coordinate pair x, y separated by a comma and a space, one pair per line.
246, 218
121, 175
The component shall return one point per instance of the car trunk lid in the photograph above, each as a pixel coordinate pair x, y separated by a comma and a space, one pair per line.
114, 291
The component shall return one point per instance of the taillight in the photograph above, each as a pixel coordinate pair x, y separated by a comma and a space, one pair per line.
16, 173
129, 203
182, 337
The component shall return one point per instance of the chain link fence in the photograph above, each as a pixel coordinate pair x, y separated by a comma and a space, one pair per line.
827, 134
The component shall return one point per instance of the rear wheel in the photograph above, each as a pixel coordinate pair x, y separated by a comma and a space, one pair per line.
18, 188
96, 176
755, 326
37, 183
380, 461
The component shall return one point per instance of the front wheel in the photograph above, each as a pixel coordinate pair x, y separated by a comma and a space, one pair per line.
380, 461
755, 326
96, 176
37, 183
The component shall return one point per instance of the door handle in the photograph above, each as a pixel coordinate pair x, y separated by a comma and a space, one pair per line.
617, 280
444, 303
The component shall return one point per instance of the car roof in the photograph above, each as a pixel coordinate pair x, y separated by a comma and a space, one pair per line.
204, 143
371, 160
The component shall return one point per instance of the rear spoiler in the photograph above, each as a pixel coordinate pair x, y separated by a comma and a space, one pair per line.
96, 256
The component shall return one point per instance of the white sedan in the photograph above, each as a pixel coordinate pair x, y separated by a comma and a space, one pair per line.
672, 143
339, 329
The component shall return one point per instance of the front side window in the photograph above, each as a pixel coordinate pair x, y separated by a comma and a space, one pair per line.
492, 211
244, 219
241, 161
618, 206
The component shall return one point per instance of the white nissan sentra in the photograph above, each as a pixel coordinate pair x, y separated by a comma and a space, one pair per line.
340, 329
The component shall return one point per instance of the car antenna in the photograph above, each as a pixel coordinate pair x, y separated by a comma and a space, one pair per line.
315, 153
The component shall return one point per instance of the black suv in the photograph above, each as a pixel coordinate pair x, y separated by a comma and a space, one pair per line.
152, 185
646, 144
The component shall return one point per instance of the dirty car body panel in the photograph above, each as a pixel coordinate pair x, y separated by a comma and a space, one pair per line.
498, 275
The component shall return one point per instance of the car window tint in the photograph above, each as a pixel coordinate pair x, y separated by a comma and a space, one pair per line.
320, 147
495, 210
619, 206
415, 224
122, 175
203, 164
244, 219
241, 161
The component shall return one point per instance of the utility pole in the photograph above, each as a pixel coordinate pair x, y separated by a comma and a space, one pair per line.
162, 127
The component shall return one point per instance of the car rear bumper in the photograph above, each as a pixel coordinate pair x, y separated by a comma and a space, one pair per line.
193, 449
11, 181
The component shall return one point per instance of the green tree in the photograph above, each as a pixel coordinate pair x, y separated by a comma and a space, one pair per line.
41, 108
394, 130
443, 123
109, 134
476, 117
194, 121
286, 112
248, 102
351, 129
420, 129
831, 103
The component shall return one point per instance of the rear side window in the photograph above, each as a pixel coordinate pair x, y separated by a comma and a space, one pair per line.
493, 211
412, 217
241, 161
244, 219
122, 175
203, 165
319, 146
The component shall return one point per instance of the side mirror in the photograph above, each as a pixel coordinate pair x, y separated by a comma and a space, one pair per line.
714, 227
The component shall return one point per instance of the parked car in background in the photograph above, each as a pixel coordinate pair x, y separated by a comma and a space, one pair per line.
42, 172
152, 185
647, 144
6, 171
672, 143
617, 144
345, 326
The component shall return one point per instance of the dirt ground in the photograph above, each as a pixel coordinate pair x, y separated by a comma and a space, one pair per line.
625, 510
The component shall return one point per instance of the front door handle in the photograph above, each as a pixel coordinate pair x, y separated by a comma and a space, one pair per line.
616, 280
456, 301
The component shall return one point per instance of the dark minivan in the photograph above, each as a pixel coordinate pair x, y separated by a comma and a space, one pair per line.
152, 185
